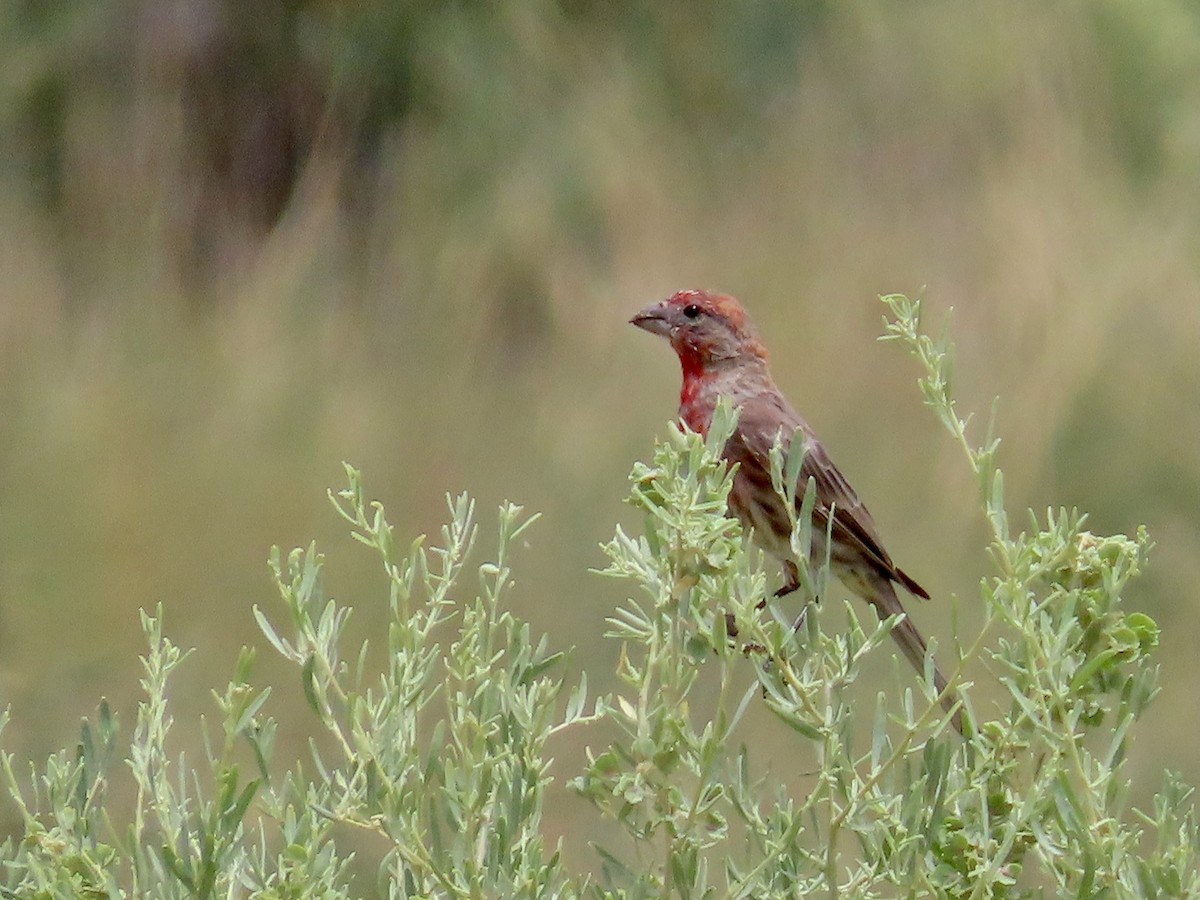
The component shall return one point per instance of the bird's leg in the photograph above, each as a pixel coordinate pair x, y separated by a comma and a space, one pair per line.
791, 580
731, 629
791, 583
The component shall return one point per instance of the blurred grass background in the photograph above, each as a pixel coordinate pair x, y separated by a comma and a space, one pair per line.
240, 243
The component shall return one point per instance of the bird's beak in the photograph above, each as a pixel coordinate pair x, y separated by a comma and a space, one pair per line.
653, 319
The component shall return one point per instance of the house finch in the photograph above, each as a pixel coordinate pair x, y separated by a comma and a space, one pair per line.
722, 356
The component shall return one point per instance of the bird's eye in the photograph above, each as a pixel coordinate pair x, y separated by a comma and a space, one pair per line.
692, 311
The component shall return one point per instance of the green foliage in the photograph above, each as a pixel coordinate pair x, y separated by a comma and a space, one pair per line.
441, 756
457, 794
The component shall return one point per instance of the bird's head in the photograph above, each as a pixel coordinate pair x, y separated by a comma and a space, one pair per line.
705, 329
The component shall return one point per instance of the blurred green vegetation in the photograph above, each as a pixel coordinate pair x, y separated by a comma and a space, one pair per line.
240, 243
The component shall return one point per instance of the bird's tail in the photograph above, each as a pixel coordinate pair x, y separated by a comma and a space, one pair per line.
905, 633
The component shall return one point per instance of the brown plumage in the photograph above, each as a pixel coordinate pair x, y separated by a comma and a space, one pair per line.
722, 355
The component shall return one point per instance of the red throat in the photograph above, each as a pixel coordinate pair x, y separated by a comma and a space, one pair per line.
694, 410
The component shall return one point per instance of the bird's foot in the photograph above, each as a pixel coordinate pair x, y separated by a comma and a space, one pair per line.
732, 631
791, 580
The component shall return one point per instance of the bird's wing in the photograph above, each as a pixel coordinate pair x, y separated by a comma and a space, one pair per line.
764, 416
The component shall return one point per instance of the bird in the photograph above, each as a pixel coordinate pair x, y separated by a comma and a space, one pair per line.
722, 355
